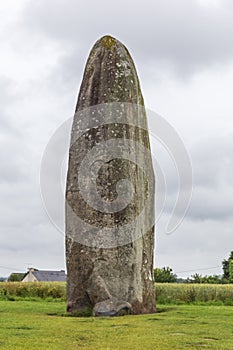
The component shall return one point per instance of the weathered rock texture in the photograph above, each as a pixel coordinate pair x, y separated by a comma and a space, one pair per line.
112, 307
115, 279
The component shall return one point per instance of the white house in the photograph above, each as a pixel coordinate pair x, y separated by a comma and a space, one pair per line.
35, 275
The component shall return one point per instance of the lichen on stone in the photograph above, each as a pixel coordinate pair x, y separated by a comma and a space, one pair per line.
107, 41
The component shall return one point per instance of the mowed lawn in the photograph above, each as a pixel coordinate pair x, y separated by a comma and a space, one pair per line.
42, 325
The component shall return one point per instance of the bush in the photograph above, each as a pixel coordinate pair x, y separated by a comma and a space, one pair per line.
167, 293
163, 275
33, 290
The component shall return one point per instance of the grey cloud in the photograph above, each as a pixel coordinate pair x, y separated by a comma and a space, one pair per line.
11, 170
12, 162
215, 205
193, 246
213, 162
41, 247
212, 197
213, 187
182, 33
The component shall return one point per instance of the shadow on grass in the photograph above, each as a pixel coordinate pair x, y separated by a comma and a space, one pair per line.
88, 313
160, 310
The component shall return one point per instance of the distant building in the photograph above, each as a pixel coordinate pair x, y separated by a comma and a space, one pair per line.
35, 275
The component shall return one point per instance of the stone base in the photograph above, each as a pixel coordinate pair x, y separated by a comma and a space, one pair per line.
112, 307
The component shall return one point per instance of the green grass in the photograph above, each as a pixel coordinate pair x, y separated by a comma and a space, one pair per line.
40, 325
166, 293
220, 294
32, 290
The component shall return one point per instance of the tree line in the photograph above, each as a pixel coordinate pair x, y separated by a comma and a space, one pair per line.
166, 275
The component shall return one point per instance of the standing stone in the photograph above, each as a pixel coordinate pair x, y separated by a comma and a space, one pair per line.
111, 276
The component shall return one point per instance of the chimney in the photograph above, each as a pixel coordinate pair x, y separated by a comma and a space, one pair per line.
31, 269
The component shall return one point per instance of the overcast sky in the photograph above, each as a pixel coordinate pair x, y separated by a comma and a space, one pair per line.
183, 52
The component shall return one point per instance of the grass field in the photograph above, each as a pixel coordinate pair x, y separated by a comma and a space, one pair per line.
219, 294
41, 325
166, 293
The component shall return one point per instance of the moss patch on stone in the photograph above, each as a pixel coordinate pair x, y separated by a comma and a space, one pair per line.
108, 41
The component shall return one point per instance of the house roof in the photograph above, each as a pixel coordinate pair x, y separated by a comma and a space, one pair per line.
50, 276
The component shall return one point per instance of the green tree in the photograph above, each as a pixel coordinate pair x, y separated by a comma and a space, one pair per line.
164, 274
227, 268
196, 278
231, 271
213, 279
16, 277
